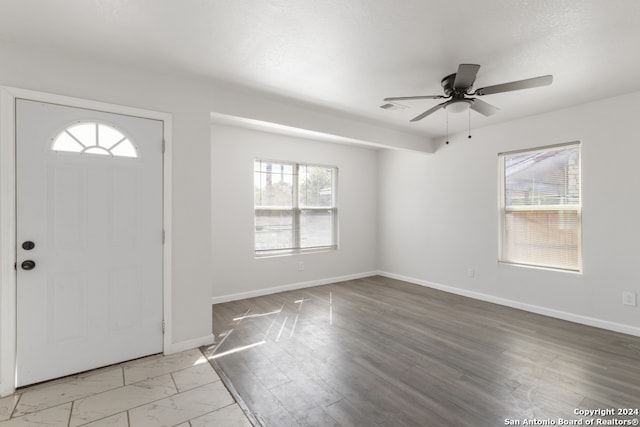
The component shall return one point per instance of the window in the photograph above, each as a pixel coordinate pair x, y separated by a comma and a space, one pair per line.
94, 138
295, 207
541, 207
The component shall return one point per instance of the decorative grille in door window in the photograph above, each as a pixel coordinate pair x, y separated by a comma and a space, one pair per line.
94, 138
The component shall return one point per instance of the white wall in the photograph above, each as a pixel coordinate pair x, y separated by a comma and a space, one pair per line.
191, 102
438, 215
237, 273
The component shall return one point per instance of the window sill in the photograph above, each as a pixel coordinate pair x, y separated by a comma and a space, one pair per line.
539, 267
290, 252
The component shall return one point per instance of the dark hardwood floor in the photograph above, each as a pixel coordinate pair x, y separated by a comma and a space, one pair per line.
382, 352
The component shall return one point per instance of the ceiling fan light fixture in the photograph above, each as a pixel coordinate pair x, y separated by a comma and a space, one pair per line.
459, 106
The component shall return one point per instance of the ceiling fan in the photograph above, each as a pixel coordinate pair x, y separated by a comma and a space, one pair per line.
457, 89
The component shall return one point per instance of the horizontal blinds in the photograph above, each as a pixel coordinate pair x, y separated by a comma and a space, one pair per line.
541, 207
543, 178
543, 238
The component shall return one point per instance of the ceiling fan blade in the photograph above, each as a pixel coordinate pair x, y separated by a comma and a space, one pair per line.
517, 85
404, 98
465, 76
429, 111
483, 108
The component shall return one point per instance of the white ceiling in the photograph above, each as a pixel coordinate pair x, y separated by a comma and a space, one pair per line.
347, 55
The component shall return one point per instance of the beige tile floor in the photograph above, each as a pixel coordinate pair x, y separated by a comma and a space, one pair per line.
177, 390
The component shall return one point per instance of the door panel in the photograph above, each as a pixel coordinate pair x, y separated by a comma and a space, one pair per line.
68, 209
94, 296
124, 219
67, 307
126, 297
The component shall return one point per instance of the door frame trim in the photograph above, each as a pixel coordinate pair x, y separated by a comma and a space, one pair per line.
8, 274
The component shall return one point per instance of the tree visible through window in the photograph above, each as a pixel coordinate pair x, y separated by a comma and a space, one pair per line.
295, 207
541, 207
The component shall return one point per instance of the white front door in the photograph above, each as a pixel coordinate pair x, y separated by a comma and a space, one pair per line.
89, 239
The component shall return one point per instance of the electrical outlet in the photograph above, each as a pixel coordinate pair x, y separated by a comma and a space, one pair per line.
470, 272
629, 298
300, 266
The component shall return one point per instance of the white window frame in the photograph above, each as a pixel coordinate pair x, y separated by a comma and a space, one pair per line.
503, 209
297, 210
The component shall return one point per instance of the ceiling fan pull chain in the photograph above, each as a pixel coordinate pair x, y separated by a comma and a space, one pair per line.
469, 123
447, 112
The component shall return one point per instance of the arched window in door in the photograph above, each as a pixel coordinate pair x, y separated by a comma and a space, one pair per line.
94, 138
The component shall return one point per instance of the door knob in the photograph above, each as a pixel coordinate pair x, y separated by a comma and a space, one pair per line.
28, 265
28, 245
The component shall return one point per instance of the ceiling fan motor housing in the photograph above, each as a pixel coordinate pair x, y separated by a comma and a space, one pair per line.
449, 90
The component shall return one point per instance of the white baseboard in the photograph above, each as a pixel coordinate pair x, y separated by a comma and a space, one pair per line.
571, 317
189, 344
290, 287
